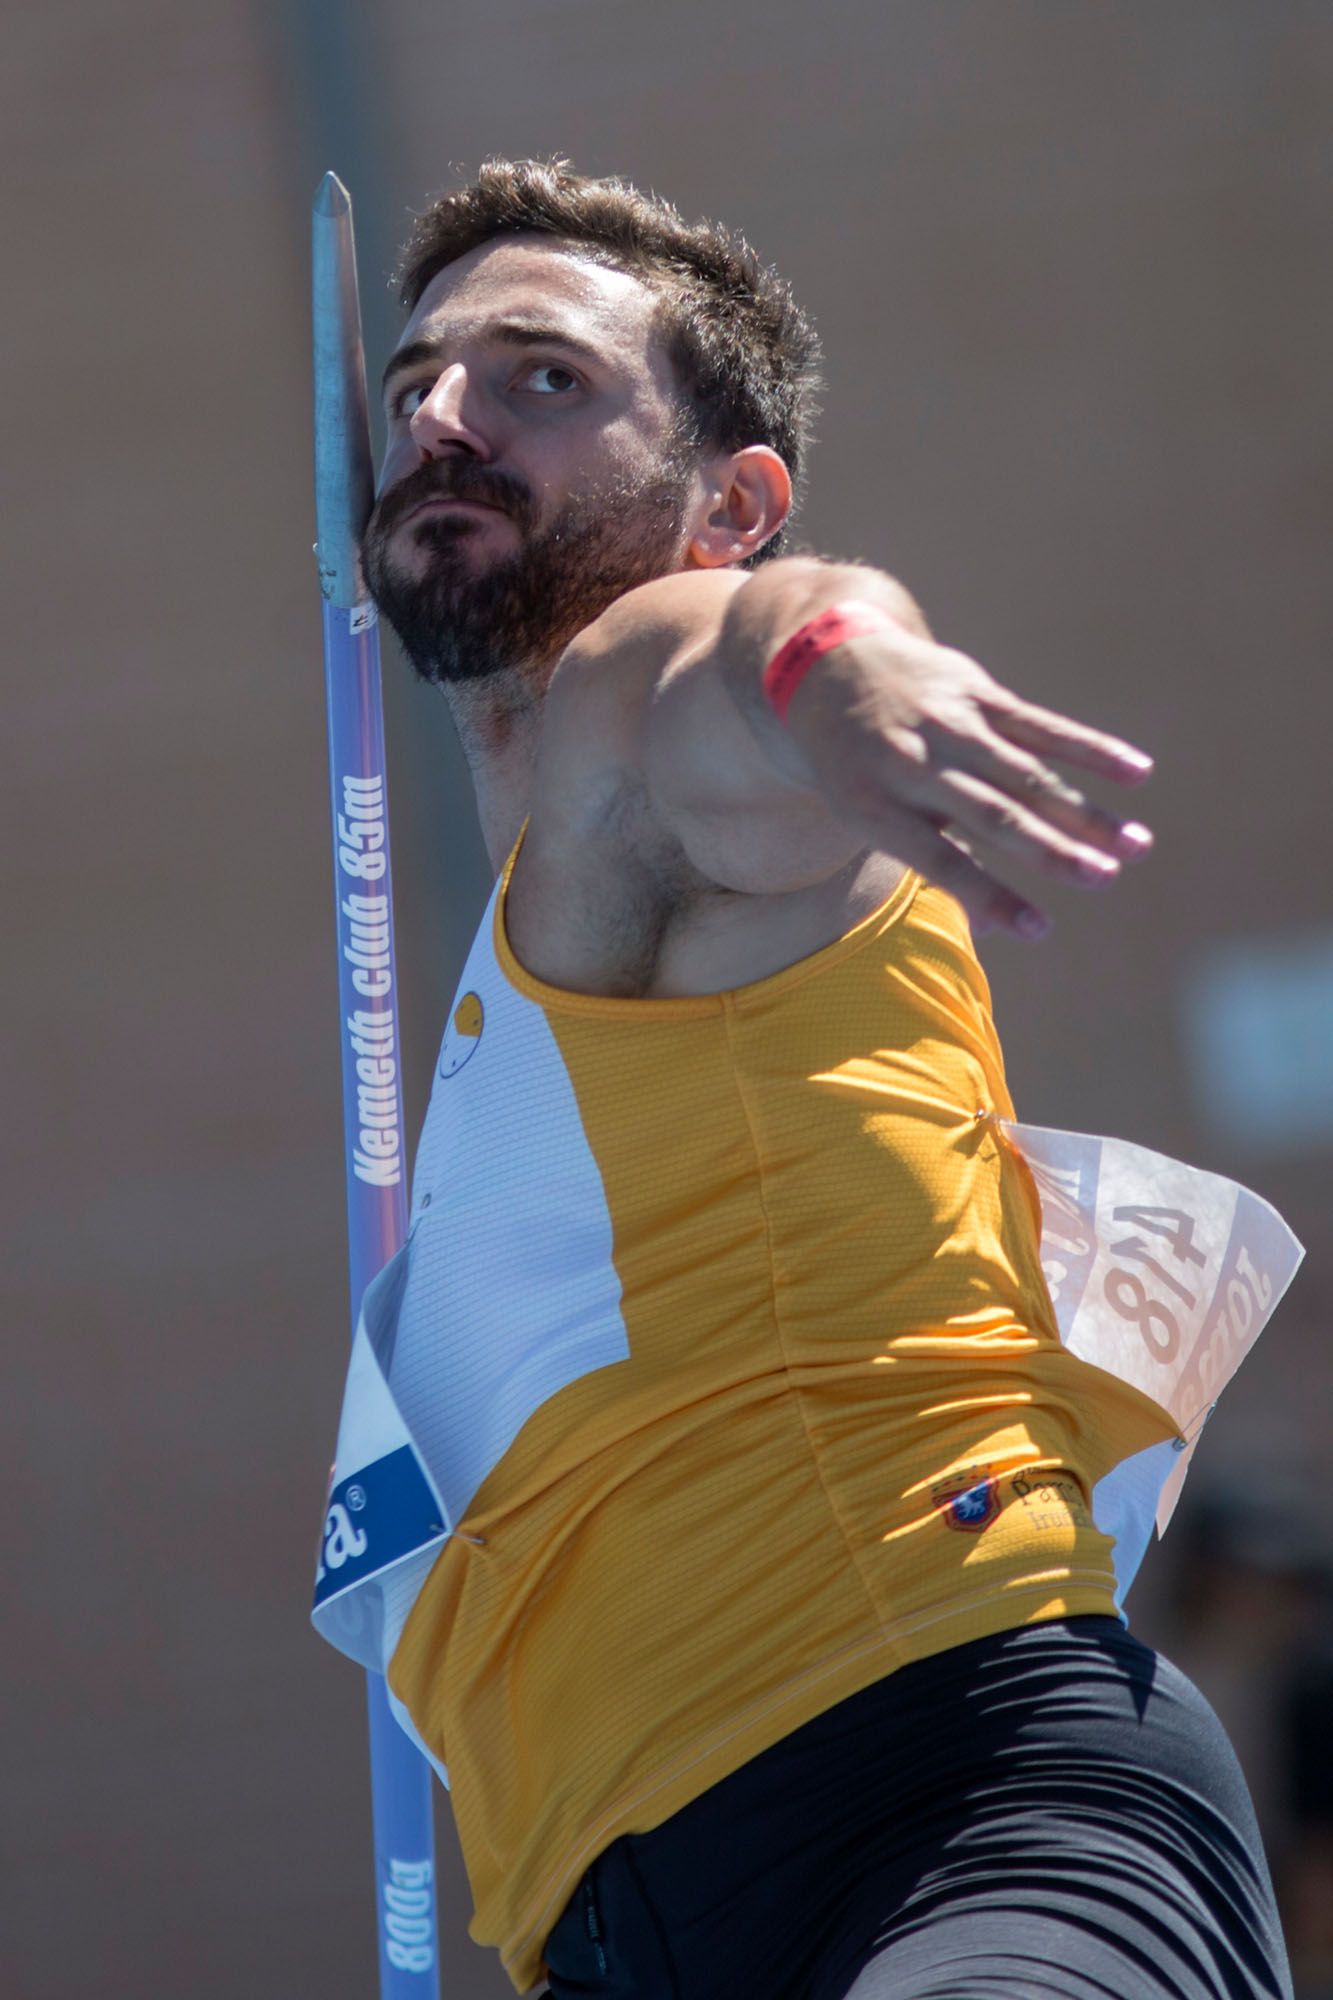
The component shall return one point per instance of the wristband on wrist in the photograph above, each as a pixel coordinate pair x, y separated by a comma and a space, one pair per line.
789, 666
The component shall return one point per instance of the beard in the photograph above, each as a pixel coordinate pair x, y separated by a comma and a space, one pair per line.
458, 621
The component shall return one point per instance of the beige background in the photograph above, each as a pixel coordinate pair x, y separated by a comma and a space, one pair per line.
1071, 265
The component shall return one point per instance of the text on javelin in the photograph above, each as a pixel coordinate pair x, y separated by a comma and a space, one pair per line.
367, 947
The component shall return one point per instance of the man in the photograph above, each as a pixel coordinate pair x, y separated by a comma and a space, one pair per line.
774, 1648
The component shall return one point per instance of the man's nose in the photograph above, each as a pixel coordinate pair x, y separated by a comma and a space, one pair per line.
446, 419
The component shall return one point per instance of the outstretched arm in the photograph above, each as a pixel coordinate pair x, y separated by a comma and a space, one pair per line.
891, 742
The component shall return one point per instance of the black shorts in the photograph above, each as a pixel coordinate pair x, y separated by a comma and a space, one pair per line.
1053, 1813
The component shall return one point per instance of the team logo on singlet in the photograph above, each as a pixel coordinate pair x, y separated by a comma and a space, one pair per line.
967, 1502
462, 1034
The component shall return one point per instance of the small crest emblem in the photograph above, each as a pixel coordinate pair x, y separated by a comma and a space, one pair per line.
966, 1501
463, 1033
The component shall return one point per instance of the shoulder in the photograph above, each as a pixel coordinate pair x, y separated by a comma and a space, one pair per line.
639, 716
690, 600
591, 747
606, 683
652, 627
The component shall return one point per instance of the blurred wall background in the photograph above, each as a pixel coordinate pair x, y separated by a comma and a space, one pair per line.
1070, 264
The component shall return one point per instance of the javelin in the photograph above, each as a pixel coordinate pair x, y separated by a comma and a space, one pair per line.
368, 1009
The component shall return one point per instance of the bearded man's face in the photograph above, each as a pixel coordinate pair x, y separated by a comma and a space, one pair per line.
464, 612
535, 469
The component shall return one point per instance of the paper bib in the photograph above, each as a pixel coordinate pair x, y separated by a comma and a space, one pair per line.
1164, 1276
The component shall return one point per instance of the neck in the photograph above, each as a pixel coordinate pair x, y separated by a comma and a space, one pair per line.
497, 723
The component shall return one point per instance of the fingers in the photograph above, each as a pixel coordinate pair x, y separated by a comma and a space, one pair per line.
1050, 827
1052, 735
1034, 785
978, 810
990, 904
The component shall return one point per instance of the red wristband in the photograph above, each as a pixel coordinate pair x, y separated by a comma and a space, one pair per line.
793, 661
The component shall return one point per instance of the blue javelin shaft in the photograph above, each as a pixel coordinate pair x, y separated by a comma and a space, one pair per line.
368, 1003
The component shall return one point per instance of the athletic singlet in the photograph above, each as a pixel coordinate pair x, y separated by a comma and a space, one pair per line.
723, 1340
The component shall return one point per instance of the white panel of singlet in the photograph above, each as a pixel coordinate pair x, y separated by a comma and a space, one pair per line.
511, 1292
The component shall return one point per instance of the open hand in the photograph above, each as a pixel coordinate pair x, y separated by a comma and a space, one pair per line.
919, 749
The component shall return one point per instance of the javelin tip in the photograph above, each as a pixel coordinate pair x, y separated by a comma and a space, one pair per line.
331, 197
344, 481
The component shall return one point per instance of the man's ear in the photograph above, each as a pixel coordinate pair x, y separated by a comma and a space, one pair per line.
746, 499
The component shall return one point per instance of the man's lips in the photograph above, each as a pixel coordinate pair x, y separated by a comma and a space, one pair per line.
441, 501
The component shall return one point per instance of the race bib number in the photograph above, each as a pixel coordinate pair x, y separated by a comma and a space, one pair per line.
1160, 1273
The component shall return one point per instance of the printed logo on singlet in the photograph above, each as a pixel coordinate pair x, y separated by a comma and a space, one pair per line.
1051, 1500
462, 1034
967, 1502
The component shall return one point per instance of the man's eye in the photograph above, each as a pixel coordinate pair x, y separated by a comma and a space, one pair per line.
557, 379
408, 401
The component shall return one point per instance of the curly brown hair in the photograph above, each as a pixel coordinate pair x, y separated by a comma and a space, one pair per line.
746, 356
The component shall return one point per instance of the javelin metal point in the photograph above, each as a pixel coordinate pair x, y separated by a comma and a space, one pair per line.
344, 480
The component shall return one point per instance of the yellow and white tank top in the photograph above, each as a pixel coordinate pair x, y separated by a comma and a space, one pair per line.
720, 1376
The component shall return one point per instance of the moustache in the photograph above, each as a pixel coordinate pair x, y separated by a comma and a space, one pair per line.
458, 481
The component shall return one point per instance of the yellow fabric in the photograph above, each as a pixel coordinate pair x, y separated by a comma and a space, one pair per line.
837, 1323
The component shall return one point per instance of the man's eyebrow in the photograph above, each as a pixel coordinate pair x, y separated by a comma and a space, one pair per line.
510, 332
